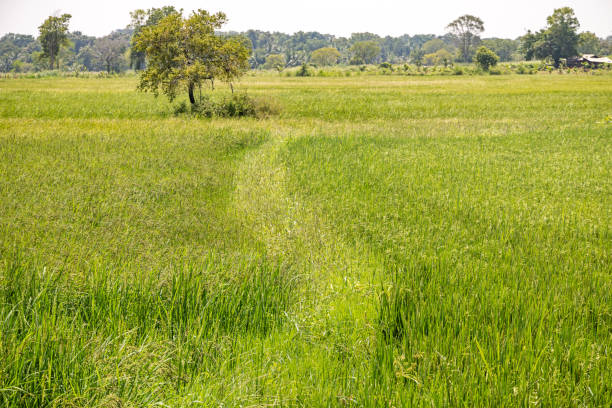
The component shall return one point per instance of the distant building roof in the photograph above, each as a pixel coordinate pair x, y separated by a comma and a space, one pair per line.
596, 59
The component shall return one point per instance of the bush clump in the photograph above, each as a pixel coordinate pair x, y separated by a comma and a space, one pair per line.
236, 106
485, 58
303, 71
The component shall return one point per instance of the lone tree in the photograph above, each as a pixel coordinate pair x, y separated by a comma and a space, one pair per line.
558, 40
182, 53
485, 58
54, 34
466, 30
562, 33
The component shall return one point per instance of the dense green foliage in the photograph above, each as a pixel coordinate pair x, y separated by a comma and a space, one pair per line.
589, 43
298, 47
365, 52
145, 18
440, 57
325, 56
53, 35
184, 53
507, 50
385, 241
466, 30
562, 34
485, 58
275, 61
560, 39
16, 50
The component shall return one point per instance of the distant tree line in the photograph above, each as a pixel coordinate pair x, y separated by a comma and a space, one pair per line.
270, 50
57, 47
24, 53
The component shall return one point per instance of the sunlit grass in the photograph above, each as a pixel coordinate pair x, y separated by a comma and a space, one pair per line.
385, 241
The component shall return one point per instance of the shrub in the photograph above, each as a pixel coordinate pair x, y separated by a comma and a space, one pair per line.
180, 109
206, 107
485, 58
236, 106
303, 71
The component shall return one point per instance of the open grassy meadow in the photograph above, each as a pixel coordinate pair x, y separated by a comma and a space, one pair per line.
383, 241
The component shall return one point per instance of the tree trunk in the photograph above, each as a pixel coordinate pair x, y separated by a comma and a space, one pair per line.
52, 58
191, 96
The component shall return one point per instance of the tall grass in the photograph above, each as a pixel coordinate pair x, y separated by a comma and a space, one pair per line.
386, 240
70, 341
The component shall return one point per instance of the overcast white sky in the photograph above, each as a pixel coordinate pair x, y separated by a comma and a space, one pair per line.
507, 19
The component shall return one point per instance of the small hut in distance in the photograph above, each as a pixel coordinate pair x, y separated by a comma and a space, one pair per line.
593, 60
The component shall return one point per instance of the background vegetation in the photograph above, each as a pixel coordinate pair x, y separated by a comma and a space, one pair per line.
116, 52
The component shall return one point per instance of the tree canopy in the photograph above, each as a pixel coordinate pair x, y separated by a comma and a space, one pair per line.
275, 61
109, 52
9, 52
562, 33
365, 52
325, 56
589, 43
433, 45
466, 29
183, 53
558, 40
53, 35
145, 18
485, 58
507, 50
440, 57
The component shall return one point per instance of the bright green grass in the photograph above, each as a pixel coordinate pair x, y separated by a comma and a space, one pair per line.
385, 241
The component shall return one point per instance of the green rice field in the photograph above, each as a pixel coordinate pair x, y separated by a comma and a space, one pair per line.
383, 241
